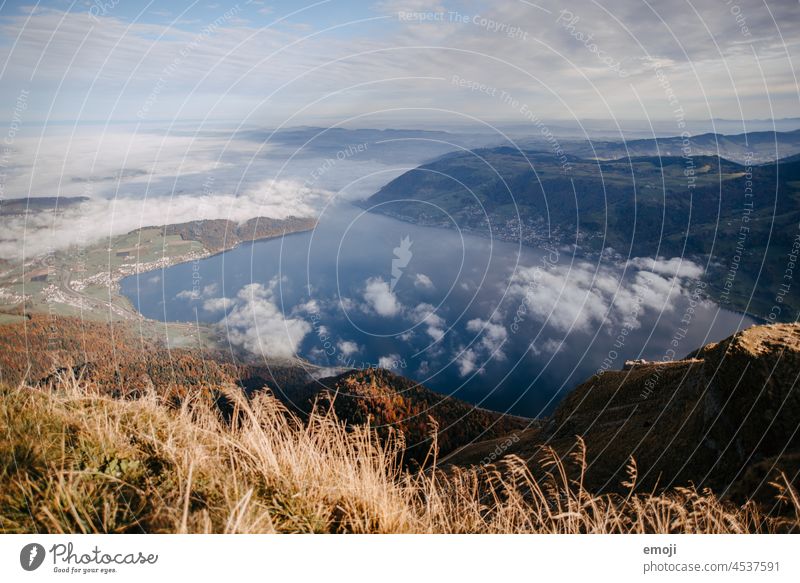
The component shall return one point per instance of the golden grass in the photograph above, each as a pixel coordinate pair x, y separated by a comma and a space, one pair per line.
74, 460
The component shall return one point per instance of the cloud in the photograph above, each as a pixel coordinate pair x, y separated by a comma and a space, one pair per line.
256, 324
584, 296
673, 267
434, 324
310, 307
208, 291
97, 219
468, 363
708, 56
424, 368
492, 336
347, 347
422, 281
381, 298
390, 361
217, 304
550, 346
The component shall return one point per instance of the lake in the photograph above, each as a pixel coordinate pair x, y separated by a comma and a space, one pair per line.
506, 327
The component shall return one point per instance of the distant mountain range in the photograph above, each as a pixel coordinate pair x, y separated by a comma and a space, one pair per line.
391, 146
753, 147
740, 221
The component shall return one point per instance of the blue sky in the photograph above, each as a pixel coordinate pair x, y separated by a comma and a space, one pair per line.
379, 62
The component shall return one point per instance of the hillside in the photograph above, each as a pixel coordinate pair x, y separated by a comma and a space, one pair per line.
75, 461
725, 417
220, 234
39, 350
391, 403
740, 221
111, 433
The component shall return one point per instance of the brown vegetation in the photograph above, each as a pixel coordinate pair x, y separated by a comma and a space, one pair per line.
75, 460
724, 418
389, 403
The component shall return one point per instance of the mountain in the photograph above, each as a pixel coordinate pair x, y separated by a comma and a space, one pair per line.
755, 147
724, 417
389, 402
740, 221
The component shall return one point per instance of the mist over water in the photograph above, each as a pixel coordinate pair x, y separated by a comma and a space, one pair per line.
507, 327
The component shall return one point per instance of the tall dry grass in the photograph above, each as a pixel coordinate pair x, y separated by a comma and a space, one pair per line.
74, 460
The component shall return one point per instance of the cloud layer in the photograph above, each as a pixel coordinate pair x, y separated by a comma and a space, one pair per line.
312, 66
98, 219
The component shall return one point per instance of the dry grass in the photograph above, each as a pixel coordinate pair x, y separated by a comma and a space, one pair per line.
76, 461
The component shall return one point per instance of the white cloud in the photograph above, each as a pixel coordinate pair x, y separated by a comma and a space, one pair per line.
550, 346
422, 281
309, 307
583, 296
486, 345
468, 362
217, 304
210, 290
196, 294
381, 298
347, 347
434, 324
673, 267
492, 335
245, 62
389, 362
256, 324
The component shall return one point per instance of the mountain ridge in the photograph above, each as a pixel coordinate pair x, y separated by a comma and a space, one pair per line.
723, 417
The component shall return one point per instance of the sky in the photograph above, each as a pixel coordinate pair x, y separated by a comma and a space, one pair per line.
383, 63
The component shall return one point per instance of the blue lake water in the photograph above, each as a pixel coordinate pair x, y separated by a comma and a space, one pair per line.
507, 327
